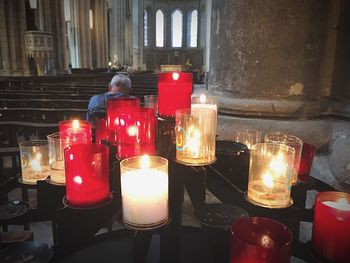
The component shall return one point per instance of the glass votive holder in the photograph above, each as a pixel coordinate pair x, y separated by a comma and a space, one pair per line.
195, 133
174, 92
113, 106
34, 160
101, 130
307, 157
151, 101
69, 127
291, 141
269, 175
205, 102
247, 137
57, 143
331, 227
136, 129
257, 239
87, 174
144, 187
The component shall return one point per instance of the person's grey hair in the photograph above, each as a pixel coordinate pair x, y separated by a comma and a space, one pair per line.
121, 80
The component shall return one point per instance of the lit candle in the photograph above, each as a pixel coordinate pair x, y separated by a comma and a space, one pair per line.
87, 174
247, 137
331, 228
70, 127
256, 239
205, 102
195, 133
57, 143
144, 185
34, 160
174, 92
269, 175
291, 141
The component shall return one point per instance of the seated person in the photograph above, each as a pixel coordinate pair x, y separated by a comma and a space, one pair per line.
120, 86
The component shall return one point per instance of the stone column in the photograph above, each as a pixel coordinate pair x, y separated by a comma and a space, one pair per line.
272, 49
100, 34
82, 33
116, 25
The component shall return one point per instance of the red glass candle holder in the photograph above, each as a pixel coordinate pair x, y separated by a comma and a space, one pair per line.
174, 92
87, 174
113, 106
331, 228
307, 157
101, 130
257, 239
75, 126
136, 132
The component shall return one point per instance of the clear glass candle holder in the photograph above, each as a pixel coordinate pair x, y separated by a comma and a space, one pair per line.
270, 172
151, 101
258, 239
247, 137
57, 144
87, 174
34, 160
205, 102
144, 186
291, 141
69, 127
195, 133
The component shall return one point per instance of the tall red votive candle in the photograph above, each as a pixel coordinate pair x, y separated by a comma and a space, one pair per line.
260, 240
136, 132
75, 126
113, 106
87, 174
101, 130
307, 157
331, 228
174, 92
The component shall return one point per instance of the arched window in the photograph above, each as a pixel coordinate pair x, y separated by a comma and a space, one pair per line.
193, 22
176, 28
145, 30
159, 28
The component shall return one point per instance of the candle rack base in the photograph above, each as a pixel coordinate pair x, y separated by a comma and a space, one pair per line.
289, 204
49, 181
94, 206
21, 181
145, 227
13, 209
195, 164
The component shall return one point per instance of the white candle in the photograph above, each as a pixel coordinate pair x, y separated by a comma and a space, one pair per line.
202, 103
341, 204
144, 195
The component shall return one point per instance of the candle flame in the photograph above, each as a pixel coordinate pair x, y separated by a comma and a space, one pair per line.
109, 63
267, 179
145, 162
202, 98
78, 180
75, 125
266, 241
176, 76
35, 163
132, 131
277, 165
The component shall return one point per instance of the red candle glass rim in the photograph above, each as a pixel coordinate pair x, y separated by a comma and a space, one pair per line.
247, 229
184, 77
137, 110
83, 149
68, 122
332, 196
122, 100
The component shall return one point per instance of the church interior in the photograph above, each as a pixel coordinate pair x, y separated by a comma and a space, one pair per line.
173, 131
